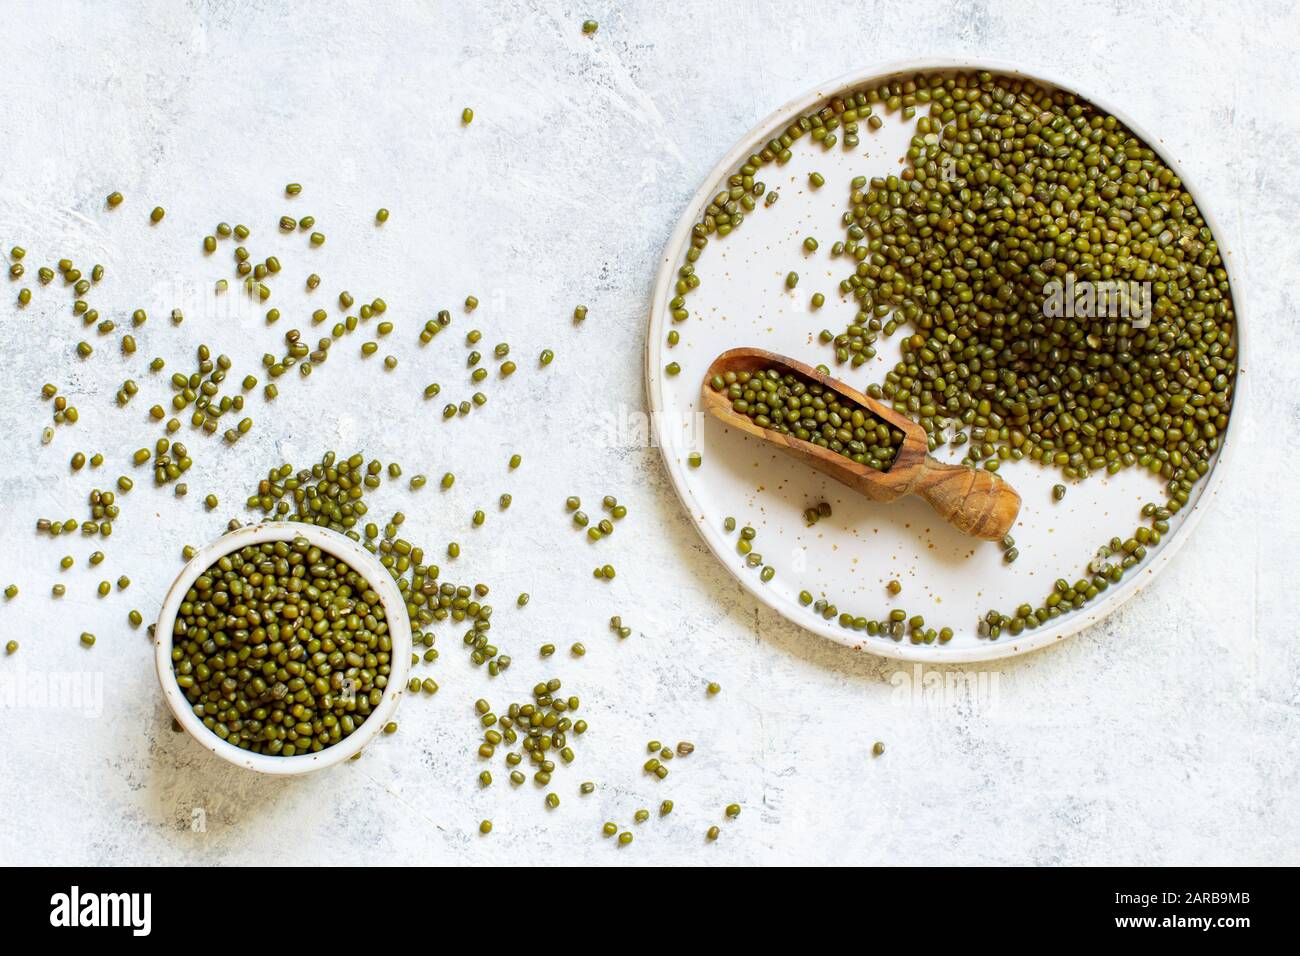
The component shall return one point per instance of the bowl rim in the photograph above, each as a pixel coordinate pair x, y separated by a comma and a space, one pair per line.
338, 545
986, 650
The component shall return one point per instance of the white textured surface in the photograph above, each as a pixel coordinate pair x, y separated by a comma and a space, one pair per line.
1168, 734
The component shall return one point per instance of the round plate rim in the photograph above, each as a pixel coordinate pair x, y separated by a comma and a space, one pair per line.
677, 473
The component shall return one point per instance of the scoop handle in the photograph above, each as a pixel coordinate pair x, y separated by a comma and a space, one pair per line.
975, 501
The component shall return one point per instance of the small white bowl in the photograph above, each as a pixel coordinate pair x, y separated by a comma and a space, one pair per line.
341, 547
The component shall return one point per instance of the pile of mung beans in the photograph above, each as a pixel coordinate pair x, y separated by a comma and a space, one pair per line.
281, 648
541, 727
786, 403
1008, 186
331, 494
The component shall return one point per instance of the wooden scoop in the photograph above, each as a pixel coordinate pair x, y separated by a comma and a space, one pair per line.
977, 502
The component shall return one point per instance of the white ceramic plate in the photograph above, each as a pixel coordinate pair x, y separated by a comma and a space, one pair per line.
949, 578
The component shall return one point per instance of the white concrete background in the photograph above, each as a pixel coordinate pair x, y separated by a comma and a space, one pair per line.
1166, 735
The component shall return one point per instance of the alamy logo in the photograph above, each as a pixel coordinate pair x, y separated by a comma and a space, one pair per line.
102, 909
1109, 299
